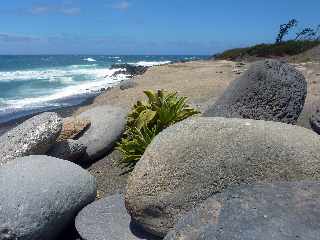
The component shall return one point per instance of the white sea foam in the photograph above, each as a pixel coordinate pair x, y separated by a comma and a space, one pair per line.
150, 64
95, 80
55, 74
89, 60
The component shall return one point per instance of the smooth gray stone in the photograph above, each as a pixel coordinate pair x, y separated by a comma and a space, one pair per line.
33, 137
70, 150
40, 196
107, 126
198, 157
107, 219
269, 90
280, 211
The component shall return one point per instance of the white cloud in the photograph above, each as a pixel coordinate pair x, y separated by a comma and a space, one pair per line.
47, 9
6, 37
123, 5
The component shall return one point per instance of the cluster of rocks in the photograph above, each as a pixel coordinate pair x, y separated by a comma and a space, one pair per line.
241, 171
40, 192
129, 69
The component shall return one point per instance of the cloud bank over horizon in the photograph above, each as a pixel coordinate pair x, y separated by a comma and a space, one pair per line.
142, 26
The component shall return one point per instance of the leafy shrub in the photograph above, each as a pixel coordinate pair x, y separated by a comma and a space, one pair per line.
282, 49
149, 118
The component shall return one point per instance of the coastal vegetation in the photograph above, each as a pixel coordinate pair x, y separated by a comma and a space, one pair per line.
301, 41
147, 119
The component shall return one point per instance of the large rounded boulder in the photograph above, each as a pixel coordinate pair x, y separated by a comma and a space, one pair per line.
40, 196
107, 126
190, 161
33, 137
269, 90
280, 211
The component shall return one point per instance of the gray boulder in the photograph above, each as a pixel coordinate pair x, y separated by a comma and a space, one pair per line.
40, 196
107, 219
70, 150
190, 161
107, 126
269, 90
33, 137
281, 211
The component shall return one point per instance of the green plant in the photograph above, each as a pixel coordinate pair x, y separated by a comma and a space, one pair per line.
147, 119
282, 49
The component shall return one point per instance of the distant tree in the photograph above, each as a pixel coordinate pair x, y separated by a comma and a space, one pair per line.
306, 34
318, 33
284, 29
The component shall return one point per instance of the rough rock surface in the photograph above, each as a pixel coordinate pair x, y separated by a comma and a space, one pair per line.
315, 121
73, 128
190, 161
126, 84
269, 90
107, 126
129, 69
40, 196
33, 137
107, 219
281, 211
70, 150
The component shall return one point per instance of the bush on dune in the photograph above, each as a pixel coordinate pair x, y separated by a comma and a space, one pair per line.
149, 118
282, 49
304, 40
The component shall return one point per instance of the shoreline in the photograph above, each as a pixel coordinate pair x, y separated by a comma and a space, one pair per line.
202, 81
62, 111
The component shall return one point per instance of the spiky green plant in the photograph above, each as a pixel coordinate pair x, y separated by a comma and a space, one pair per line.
147, 119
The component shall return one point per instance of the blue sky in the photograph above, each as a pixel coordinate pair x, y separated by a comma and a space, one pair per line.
145, 26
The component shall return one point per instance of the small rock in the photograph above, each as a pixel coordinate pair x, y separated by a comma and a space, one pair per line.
33, 137
40, 196
270, 90
191, 160
107, 126
280, 211
107, 219
126, 84
73, 128
69, 149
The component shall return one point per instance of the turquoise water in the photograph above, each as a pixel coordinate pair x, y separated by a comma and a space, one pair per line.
30, 84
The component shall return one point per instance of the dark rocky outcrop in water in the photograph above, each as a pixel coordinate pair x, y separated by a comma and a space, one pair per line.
270, 90
132, 70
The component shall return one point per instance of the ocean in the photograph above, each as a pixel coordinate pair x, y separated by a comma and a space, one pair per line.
31, 84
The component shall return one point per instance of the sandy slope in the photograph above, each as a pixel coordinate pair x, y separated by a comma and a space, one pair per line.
203, 82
